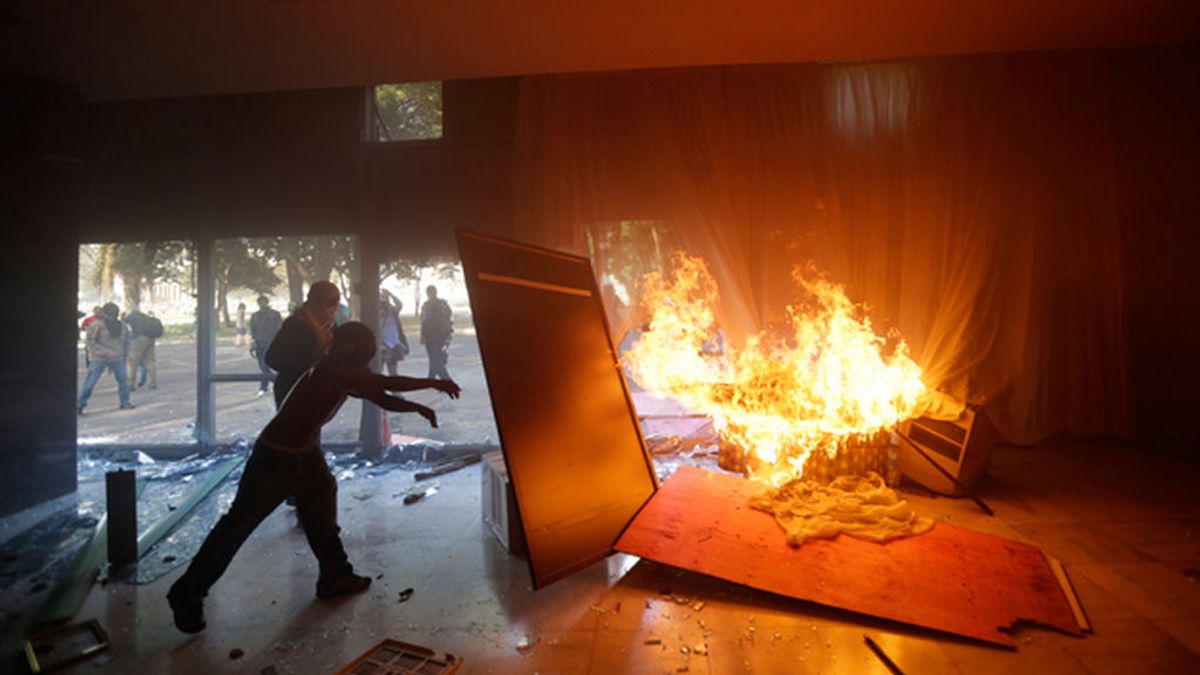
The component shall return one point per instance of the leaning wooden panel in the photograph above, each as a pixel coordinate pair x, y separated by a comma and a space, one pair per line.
949, 579
571, 440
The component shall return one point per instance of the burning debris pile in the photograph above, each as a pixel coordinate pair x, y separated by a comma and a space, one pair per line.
780, 398
788, 401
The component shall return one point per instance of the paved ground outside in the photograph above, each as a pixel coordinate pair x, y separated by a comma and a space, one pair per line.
167, 414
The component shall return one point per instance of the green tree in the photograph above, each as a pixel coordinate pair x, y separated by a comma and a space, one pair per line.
412, 110
417, 269
309, 259
139, 265
236, 267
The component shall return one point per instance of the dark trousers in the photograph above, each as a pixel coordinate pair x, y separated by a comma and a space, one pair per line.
269, 477
439, 353
266, 370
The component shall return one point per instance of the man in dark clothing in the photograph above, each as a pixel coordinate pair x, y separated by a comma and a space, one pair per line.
264, 325
144, 332
303, 338
287, 459
437, 325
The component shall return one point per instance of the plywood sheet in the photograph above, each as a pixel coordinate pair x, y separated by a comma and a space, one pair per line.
950, 579
572, 444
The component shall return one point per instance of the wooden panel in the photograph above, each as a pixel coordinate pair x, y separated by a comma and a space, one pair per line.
950, 579
571, 440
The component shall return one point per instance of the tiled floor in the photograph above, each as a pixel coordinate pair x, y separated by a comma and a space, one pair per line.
1125, 521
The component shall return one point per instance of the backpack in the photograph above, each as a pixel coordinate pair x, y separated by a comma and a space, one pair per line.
153, 327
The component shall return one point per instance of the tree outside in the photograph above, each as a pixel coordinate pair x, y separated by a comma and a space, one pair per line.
408, 111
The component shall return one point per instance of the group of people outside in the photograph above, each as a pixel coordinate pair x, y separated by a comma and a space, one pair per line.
125, 345
122, 345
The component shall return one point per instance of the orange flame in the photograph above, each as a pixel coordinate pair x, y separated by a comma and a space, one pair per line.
778, 397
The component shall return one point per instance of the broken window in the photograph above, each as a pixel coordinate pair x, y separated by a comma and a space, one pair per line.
403, 294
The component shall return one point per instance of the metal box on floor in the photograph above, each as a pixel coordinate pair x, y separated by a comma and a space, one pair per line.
962, 447
500, 504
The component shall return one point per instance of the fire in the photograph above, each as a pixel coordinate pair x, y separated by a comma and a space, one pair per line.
781, 398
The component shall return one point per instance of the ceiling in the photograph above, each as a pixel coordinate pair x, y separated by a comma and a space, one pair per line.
115, 49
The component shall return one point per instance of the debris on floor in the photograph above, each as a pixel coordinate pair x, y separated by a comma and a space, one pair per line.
63, 646
448, 467
392, 657
420, 491
526, 644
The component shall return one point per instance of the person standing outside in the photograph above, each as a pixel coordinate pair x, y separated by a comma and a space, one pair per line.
392, 340
264, 325
97, 312
144, 331
437, 325
107, 343
303, 338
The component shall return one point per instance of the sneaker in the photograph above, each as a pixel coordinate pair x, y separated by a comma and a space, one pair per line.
346, 584
188, 610
80, 410
261, 393
127, 406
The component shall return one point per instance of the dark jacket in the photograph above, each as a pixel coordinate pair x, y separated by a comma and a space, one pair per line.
264, 326
295, 349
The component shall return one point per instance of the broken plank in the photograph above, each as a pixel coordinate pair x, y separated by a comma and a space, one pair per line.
950, 579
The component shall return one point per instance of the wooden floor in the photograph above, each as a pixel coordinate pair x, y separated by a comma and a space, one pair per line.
950, 579
1125, 521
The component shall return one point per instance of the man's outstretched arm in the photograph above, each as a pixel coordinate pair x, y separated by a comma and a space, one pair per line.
402, 383
360, 381
397, 404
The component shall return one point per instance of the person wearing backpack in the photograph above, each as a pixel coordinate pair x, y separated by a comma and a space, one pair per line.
107, 341
144, 331
437, 325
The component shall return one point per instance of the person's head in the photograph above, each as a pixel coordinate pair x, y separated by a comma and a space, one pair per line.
353, 341
111, 310
431, 291
264, 302
97, 311
323, 299
241, 306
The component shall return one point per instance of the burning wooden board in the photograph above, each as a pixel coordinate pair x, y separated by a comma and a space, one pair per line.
950, 579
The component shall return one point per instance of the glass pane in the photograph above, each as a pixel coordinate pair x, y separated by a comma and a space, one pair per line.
157, 279
406, 111
260, 281
403, 285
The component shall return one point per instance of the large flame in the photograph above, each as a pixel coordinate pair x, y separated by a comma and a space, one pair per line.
780, 398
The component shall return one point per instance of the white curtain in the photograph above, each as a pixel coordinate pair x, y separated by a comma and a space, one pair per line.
969, 202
